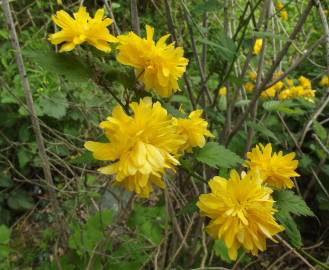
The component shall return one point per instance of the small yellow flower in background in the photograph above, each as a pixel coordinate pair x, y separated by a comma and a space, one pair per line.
279, 5
59, 2
306, 83
193, 130
258, 46
158, 65
284, 15
324, 81
80, 29
141, 146
283, 12
290, 82
277, 74
269, 92
252, 75
275, 169
241, 213
249, 87
222, 91
278, 86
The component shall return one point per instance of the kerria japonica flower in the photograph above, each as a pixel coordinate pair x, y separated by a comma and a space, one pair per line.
194, 130
157, 65
141, 146
275, 169
82, 29
241, 213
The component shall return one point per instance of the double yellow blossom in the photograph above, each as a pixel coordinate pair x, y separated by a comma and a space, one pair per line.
274, 169
80, 29
146, 144
157, 65
241, 212
194, 130
141, 146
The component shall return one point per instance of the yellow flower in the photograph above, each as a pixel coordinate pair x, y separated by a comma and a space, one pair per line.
285, 94
284, 15
277, 74
258, 46
306, 83
324, 81
241, 213
269, 92
141, 146
279, 5
278, 86
82, 28
158, 65
275, 169
59, 2
252, 75
193, 130
222, 91
249, 87
290, 82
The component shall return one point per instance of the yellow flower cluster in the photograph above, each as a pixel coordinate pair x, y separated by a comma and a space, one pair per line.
303, 89
158, 65
146, 144
82, 28
282, 10
241, 208
285, 89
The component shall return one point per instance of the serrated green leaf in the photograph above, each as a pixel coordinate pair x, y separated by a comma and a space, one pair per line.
291, 228
54, 106
320, 130
286, 107
217, 156
221, 251
290, 203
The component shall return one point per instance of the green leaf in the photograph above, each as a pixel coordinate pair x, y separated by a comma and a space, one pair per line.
55, 105
20, 200
217, 156
67, 65
4, 235
290, 203
286, 107
24, 156
5, 181
221, 251
291, 228
263, 130
227, 53
319, 130
4, 241
147, 221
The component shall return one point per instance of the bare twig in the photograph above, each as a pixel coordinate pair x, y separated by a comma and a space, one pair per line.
134, 16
